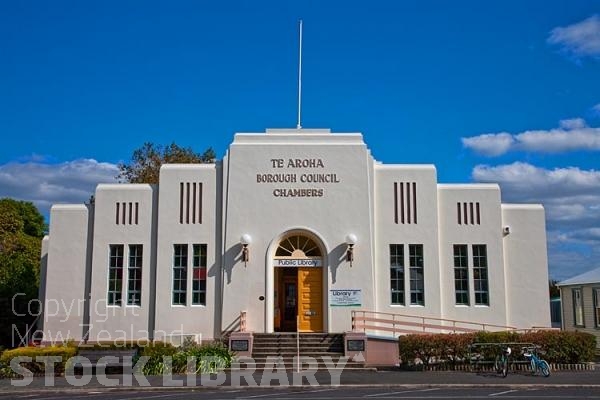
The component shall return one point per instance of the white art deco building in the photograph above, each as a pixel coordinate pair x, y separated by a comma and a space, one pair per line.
296, 228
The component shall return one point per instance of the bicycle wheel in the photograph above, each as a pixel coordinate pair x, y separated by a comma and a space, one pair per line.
504, 366
545, 368
533, 366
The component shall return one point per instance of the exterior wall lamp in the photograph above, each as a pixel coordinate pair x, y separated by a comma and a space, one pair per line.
350, 241
245, 240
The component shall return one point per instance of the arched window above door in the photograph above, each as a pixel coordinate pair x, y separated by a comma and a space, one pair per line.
298, 246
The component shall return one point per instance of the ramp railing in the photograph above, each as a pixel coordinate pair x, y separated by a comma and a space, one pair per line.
382, 323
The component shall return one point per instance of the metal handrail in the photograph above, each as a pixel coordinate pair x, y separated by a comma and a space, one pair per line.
28, 335
242, 321
363, 320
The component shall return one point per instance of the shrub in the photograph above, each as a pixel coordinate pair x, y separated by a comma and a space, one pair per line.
36, 367
209, 358
116, 345
432, 348
156, 351
556, 346
564, 347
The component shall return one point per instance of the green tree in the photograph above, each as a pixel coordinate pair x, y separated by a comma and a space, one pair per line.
21, 230
146, 161
553, 289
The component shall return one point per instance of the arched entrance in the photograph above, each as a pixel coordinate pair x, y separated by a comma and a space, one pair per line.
298, 284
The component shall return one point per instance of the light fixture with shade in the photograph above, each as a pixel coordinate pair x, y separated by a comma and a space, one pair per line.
350, 241
245, 240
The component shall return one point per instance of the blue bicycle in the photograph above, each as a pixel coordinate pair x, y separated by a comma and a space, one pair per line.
537, 364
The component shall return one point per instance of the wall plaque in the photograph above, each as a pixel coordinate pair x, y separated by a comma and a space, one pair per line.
239, 345
355, 345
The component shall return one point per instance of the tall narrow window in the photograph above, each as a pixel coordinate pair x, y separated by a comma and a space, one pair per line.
180, 256
199, 275
397, 273
117, 216
187, 203
597, 307
396, 202
408, 202
480, 275
471, 210
578, 307
200, 202
194, 203
115, 275
417, 282
461, 274
402, 202
414, 193
134, 275
181, 202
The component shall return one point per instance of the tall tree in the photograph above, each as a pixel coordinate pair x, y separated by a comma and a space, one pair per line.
21, 230
553, 289
146, 161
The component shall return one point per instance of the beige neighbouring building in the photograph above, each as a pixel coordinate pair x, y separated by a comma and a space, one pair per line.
291, 223
580, 303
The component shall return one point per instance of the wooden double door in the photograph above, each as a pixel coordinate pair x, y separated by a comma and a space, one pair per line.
299, 299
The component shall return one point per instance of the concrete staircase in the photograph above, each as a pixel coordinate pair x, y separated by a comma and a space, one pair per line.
270, 350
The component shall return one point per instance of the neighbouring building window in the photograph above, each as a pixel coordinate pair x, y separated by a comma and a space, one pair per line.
417, 283
461, 274
115, 274
397, 273
180, 262
134, 275
199, 275
480, 275
578, 307
597, 306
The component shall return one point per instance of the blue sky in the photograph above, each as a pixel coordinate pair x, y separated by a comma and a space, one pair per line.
505, 92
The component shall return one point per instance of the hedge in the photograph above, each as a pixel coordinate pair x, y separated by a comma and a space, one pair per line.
36, 367
559, 347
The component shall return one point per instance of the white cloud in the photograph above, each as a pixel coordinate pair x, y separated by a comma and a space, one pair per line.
596, 109
578, 40
45, 184
571, 198
573, 123
571, 135
490, 144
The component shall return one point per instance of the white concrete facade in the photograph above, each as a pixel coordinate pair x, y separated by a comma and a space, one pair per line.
311, 186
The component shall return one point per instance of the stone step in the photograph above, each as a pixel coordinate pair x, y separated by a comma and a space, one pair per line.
289, 368
301, 339
269, 340
278, 350
305, 334
294, 343
296, 340
301, 345
294, 346
260, 365
292, 355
